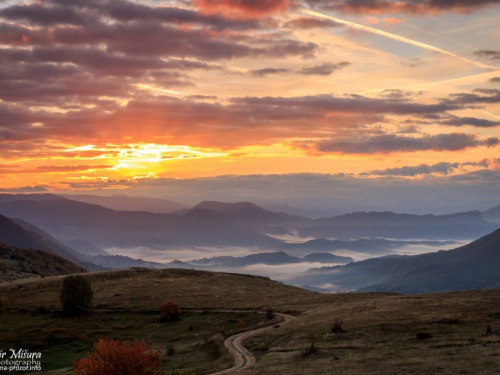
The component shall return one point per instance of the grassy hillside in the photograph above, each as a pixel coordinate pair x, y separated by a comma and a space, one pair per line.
379, 329
21, 264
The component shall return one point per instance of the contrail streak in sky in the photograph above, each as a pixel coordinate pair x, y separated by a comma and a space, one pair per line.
397, 37
157, 89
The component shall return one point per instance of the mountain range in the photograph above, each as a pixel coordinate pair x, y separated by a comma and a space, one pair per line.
274, 258
228, 224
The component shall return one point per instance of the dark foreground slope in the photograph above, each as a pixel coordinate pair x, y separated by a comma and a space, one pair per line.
474, 266
18, 264
379, 330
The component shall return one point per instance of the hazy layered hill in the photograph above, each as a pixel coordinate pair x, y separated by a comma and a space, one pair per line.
230, 224
249, 212
473, 266
5, 197
365, 245
85, 247
274, 258
13, 234
121, 202
69, 220
492, 215
464, 225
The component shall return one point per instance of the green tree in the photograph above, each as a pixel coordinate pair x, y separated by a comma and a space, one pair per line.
76, 295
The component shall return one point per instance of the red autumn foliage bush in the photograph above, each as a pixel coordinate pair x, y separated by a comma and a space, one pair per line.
112, 357
169, 311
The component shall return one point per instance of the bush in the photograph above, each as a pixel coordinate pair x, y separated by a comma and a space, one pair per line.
220, 329
76, 295
112, 357
169, 311
337, 326
311, 349
270, 314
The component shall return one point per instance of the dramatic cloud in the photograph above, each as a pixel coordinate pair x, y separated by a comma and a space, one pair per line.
385, 144
440, 168
495, 80
241, 9
400, 6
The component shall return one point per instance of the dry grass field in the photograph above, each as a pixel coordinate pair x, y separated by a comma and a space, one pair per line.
379, 331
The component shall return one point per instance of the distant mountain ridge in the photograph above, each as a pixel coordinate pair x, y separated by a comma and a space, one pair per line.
124, 202
391, 225
272, 258
68, 220
473, 266
492, 215
365, 245
229, 224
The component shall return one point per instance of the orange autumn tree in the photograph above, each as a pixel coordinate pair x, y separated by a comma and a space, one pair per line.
112, 357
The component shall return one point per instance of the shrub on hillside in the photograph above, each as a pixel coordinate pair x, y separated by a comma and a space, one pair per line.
270, 314
169, 311
337, 326
76, 295
112, 357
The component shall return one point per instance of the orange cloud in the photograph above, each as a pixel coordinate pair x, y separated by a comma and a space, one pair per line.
241, 9
391, 21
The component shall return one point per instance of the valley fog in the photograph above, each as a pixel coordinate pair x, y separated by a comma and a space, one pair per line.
281, 272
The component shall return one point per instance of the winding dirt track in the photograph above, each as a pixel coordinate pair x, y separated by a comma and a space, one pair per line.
242, 357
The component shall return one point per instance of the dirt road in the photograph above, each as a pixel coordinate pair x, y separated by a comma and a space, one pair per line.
242, 357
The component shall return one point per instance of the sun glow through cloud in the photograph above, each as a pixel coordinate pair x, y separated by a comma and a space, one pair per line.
248, 89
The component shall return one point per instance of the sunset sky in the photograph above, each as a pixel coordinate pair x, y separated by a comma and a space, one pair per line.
277, 99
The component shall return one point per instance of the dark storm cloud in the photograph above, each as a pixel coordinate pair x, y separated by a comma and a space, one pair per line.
494, 80
422, 169
324, 69
400, 6
389, 143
